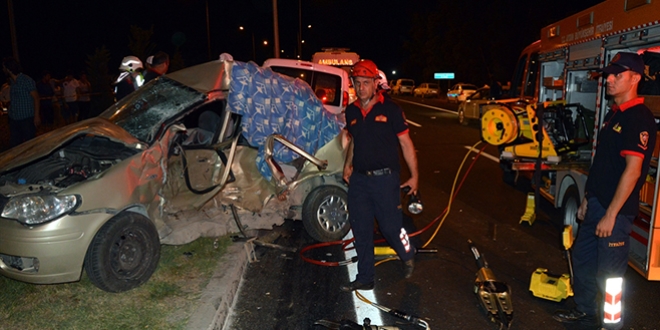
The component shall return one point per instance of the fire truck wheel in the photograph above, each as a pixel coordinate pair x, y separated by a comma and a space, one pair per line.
569, 208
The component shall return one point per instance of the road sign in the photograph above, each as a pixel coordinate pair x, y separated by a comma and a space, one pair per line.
445, 75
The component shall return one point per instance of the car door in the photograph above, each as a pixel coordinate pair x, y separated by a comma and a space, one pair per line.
200, 159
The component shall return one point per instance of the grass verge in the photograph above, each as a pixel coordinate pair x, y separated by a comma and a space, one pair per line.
166, 301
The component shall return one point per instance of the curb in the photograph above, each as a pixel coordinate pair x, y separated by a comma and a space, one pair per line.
219, 294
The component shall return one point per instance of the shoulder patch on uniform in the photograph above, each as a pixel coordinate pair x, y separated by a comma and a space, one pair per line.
644, 140
381, 119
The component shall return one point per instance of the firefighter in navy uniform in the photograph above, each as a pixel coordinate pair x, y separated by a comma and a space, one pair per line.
611, 202
377, 127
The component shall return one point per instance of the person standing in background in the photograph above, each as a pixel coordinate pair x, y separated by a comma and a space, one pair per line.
130, 78
24, 115
84, 99
46, 94
70, 89
4, 94
158, 66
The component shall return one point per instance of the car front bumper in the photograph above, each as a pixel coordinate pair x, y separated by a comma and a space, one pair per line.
50, 253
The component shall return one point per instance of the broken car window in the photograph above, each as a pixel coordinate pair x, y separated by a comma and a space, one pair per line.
144, 111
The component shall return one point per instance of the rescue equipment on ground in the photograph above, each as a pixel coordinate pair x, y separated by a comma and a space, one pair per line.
530, 210
388, 251
350, 325
396, 313
555, 287
494, 296
415, 205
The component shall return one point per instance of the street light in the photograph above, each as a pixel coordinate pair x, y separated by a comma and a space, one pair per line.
254, 56
301, 41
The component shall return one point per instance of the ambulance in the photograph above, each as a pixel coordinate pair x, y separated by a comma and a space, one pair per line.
551, 127
339, 57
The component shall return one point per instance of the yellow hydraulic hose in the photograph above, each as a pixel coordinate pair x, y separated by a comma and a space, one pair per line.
451, 195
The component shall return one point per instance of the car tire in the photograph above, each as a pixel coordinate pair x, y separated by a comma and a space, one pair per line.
124, 253
569, 208
461, 117
325, 214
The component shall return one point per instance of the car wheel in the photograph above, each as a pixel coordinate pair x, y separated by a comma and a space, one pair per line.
124, 253
569, 208
325, 214
461, 117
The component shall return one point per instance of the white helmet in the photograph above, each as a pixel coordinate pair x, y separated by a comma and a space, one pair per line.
130, 64
382, 83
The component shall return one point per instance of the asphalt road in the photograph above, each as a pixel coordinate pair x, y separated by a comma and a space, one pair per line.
282, 291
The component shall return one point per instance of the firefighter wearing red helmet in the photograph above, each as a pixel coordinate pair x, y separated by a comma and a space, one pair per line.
377, 127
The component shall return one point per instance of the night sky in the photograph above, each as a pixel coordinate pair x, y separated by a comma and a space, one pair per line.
58, 35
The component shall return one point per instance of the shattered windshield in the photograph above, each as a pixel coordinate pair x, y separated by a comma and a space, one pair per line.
143, 112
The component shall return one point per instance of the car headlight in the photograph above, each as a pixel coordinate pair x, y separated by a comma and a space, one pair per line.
37, 209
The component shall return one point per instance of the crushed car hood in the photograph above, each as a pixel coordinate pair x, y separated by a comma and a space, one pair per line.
44, 144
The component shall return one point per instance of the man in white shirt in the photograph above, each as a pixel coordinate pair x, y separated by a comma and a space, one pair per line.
70, 88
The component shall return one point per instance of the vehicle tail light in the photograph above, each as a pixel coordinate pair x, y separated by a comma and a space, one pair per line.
344, 102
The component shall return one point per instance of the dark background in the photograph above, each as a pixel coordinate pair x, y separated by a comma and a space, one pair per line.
473, 38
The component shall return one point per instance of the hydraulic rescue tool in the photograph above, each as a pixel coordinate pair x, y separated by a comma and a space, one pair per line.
555, 287
350, 325
415, 205
494, 296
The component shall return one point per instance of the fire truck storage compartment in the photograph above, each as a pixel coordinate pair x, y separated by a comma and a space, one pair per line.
552, 75
582, 88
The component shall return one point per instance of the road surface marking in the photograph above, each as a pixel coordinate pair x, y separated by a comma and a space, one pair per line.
429, 106
487, 155
362, 309
413, 123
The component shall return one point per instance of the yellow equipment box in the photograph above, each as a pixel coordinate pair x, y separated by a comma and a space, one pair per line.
550, 287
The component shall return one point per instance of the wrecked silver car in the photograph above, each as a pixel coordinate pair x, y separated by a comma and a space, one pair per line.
212, 149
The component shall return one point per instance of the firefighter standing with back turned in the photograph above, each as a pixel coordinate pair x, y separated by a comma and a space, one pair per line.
377, 127
611, 202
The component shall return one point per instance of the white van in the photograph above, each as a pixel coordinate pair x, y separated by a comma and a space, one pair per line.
331, 84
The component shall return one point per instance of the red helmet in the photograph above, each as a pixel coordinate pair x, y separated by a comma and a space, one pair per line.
365, 68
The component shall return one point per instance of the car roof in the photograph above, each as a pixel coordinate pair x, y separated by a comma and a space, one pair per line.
204, 77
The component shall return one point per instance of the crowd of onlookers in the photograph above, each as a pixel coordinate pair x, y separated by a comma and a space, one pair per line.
53, 102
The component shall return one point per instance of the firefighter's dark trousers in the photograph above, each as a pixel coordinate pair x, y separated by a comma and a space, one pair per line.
597, 259
376, 196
